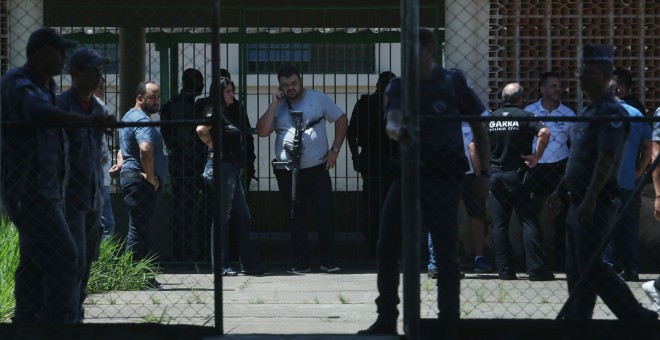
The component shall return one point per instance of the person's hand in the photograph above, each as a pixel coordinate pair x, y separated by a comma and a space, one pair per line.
656, 211
114, 170
356, 164
585, 211
331, 159
278, 96
554, 203
151, 179
530, 160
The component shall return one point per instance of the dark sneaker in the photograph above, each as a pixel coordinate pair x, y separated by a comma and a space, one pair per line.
544, 276
481, 265
330, 269
229, 272
258, 272
380, 327
433, 274
508, 276
153, 284
299, 270
629, 276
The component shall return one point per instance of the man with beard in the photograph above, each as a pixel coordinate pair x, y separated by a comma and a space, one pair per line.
314, 186
143, 171
552, 165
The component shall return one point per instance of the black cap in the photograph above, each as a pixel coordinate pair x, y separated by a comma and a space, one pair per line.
86, 58
47, 36
598, 54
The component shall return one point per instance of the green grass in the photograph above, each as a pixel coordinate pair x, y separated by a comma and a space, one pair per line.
115, 270
9, 256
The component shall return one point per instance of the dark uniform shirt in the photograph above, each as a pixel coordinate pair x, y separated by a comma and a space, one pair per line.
232, 148
441, 143
589, 138
85, 178
509, 140
33, 158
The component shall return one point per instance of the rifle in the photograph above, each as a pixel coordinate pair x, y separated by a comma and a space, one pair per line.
295, 150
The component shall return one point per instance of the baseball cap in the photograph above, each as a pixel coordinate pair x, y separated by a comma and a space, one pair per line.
592, 53
47, 36
86, 58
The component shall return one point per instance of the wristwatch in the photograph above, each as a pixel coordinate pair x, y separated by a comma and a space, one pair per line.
335, 149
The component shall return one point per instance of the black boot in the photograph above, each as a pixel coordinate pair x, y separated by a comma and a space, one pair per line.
381, 326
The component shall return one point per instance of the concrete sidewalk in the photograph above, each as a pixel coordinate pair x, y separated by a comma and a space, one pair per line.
320, 306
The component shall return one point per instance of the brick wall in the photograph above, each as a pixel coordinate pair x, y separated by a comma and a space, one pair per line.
528, 37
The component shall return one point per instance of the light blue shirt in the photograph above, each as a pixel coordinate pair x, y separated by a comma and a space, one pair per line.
314, 105
639, 132
130, 139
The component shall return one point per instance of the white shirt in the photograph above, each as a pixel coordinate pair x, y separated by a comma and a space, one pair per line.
557, 148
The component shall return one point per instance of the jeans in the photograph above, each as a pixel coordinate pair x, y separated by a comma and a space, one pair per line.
508, 194
46, 280
140, 199
85, 226
107, 216
314, 187
233, 202
581, 244
439, 203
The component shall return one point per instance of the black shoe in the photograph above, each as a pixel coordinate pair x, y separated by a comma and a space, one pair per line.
508, 276
630, 276
259, 272
380, 327
153, 284
543, 276
433, 274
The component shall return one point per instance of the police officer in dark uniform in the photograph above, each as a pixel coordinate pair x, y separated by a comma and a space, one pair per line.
590, 184
33, 181
366, 130
442, 93
512, 157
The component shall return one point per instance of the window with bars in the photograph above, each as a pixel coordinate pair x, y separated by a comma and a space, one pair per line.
311, 58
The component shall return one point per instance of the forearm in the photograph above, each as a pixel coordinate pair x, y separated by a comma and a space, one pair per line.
656, 171
542, 142
474, 158
341, 127
204, 134
147, 161
481, 144
265, 122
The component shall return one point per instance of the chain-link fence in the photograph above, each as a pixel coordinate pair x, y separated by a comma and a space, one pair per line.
348, 53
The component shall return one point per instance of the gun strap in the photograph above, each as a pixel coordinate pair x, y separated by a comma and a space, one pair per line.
288, 104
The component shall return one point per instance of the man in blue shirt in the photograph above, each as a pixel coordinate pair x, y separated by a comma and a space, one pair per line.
590, 186
32, 184
84, 188
622, 253
143, 171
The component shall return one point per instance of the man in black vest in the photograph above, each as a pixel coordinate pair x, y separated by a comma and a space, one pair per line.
512, 157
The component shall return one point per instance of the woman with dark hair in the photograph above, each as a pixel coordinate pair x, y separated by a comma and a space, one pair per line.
233, 199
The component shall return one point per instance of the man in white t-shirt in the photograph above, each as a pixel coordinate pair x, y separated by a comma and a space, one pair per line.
552, 165
314, 186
